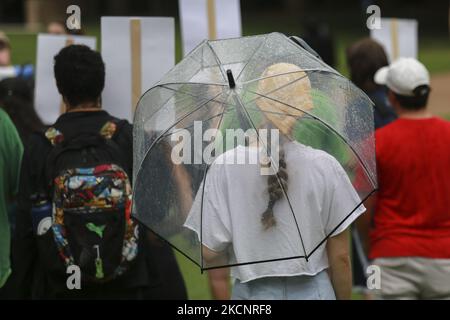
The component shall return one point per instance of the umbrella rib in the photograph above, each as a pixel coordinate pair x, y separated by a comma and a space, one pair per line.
279, 88
173, 246
335, 228
165, 86
166, 100
210, 118
201, 215
167, 130
219, 63
286, 73
251, 57
329, 127
277, 175
325, 71
195, 83
178, 91
192, 95
203, 192
253, 262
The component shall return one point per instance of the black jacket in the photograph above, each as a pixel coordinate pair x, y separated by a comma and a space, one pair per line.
38, 272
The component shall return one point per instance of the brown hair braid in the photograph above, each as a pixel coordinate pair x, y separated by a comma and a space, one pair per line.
276, 183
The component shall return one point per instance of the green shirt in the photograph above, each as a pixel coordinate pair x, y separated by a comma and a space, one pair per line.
10, 157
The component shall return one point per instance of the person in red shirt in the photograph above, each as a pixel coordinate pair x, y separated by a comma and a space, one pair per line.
410, 226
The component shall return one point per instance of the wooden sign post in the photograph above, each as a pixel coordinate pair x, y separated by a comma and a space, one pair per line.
208, 19
398, 36
137, 52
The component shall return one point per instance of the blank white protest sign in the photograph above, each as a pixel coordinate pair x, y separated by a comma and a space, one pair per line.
137, 52
208, 19
48, 101
398, 36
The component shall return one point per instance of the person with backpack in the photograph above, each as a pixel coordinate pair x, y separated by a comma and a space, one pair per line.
74, 210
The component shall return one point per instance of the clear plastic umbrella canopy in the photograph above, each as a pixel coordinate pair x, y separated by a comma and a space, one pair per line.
251, 96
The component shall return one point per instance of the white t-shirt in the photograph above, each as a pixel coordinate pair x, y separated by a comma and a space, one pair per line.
235, 196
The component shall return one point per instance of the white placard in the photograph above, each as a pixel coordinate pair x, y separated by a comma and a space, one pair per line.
398, 36
157, 57
48, 101
208, 19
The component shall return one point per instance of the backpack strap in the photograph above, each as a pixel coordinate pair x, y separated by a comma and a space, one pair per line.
54, 136
112, 128
58, 139
110, 131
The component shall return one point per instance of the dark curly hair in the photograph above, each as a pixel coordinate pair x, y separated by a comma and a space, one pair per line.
16, 98
80, 74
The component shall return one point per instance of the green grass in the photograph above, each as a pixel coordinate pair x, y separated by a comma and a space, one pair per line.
23, 47
196, 282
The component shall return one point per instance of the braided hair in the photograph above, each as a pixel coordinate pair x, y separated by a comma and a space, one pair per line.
277, 184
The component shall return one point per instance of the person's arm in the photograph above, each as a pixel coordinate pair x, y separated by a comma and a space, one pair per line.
211, 256
340, 266
219, 279
219, 283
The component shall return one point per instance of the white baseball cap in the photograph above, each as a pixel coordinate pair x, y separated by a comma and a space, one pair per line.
403, 76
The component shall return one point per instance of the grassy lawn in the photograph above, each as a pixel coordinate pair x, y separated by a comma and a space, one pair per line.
196, 282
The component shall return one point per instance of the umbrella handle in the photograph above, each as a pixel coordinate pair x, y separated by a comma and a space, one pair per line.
239, 105
231, 81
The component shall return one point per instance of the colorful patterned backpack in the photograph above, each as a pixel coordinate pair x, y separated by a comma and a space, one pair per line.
91, 219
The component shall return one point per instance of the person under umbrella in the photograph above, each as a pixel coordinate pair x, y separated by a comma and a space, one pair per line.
246, 215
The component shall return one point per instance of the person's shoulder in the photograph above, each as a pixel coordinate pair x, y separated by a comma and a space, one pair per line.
388, 128
123, 126
443, 122
3, 114
304, 151
228, 156
118, 120
313, 158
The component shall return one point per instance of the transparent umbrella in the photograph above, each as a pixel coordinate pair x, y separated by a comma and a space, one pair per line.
213, 159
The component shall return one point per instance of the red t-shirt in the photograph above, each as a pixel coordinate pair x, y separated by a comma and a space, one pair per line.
412, 214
